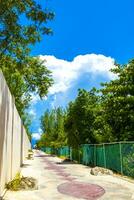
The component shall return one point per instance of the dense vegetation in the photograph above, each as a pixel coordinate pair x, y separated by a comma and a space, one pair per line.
22, 24
53, 126
95, 116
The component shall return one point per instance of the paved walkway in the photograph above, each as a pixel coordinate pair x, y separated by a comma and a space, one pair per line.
65, 181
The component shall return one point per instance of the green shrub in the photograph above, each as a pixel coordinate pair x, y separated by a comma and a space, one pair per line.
14, 185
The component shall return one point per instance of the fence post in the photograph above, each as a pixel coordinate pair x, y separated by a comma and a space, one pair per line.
104, 155
79, 154
70, 153
121, 157
94, 155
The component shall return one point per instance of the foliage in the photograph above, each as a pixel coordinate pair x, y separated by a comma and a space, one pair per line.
52, 123
22, 183
128, 159
26, 119
106, 115
80, 118
118, 102
23, 80
14, 185
101, 128
21, 23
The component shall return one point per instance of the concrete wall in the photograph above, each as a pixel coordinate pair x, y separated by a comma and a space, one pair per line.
14, 142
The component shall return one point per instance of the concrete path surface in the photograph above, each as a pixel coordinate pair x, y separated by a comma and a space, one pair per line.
58, 180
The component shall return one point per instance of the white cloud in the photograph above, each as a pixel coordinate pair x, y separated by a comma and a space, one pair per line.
35, 98
36, 136
65, 73
32, 112
53, 101
40, 130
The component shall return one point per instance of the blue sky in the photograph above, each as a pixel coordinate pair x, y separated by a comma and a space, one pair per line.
90, 26
88, 36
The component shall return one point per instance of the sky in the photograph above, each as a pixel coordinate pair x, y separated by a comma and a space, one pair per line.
89, 36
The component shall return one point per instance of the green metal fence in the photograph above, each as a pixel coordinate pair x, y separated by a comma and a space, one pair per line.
115, 156
87, 154
128, 159
64, 151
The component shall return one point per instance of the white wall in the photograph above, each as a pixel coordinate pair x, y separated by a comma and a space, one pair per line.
14, 142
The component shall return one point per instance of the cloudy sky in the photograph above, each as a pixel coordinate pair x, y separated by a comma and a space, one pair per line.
88, 37
85, 71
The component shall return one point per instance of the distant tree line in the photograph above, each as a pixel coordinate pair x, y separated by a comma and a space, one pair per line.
95, 116
52, 124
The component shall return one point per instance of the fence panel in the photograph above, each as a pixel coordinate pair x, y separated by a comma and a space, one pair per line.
65, 151
127, 150
115, 156
113, 159
75, 154
88, 154
100, 155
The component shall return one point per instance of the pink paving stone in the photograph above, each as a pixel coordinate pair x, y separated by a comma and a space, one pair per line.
63, 174
53, 168
81, 190
68, 178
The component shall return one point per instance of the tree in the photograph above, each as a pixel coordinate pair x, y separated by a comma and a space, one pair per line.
27, 122
34, 77
80, 118
16, 35
52, 124
24, 74
101, 129
119, 102
61, 115
106, 115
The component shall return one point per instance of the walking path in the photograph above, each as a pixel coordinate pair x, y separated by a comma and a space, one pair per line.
67, 181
